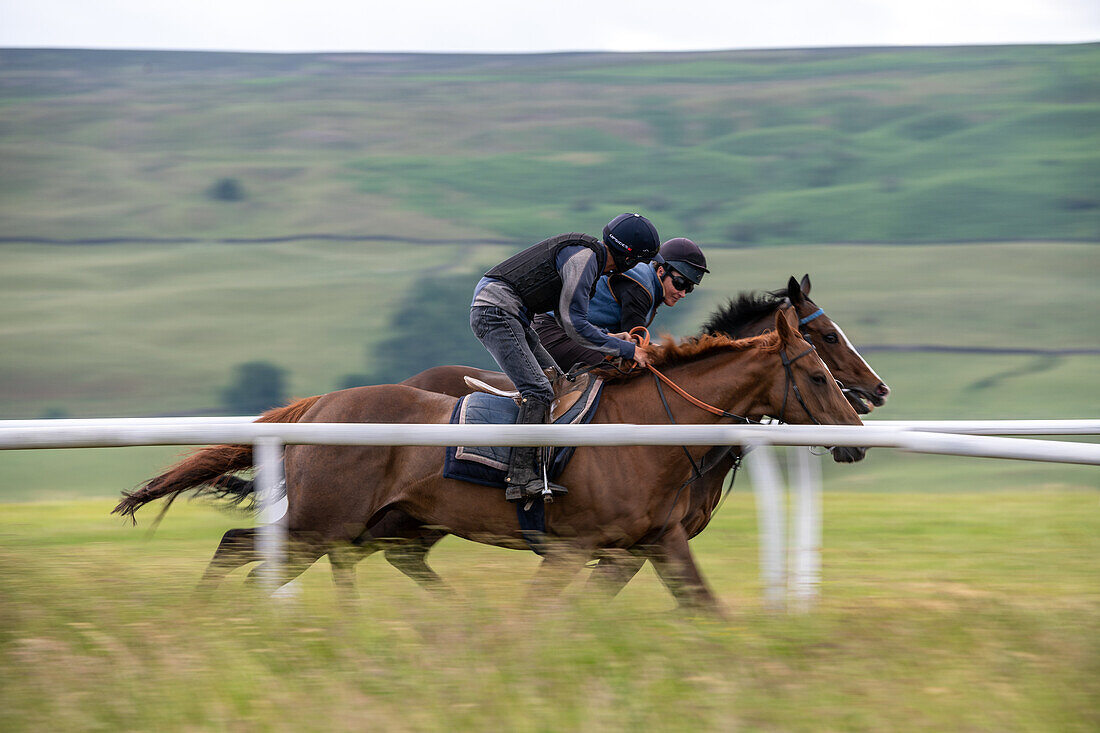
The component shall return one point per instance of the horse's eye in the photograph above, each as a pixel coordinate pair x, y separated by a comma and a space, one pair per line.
819, 379
831, 338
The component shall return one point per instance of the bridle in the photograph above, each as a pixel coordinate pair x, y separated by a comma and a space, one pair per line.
791, 383
640, 335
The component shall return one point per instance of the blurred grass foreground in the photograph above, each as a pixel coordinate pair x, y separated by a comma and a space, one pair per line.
940, 612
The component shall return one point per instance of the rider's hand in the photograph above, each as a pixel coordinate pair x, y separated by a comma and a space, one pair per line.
641, 356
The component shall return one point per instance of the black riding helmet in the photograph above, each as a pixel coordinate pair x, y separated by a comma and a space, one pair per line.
632, 238
684, 256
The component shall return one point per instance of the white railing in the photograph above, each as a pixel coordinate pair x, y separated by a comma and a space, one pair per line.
963, 438
106, 434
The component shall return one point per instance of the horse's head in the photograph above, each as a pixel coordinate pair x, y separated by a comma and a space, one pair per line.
864, 389
808, 392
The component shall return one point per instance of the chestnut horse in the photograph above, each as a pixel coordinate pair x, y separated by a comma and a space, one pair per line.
406, 542
620, 497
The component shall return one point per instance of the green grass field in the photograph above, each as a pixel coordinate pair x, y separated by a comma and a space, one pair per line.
120, 330
939, 612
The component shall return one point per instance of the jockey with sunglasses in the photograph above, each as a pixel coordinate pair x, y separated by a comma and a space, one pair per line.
559, 274
628, 299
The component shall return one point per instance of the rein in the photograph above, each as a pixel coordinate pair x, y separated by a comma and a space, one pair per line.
640, 336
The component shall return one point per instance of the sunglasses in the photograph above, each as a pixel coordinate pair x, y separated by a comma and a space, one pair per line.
681, 283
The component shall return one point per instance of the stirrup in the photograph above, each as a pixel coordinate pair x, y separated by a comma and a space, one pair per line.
545, 488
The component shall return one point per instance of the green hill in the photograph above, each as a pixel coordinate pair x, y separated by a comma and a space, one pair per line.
735, 147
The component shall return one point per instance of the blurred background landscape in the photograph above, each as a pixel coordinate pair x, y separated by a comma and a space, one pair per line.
187, 233
211, 233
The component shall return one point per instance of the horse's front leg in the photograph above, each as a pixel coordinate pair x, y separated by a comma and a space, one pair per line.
558, 567
676, 568
410, 558
613, 572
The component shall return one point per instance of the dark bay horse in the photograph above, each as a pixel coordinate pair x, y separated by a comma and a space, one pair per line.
406, 542
621, 498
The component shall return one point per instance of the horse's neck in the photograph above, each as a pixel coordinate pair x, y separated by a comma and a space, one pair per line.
729, 380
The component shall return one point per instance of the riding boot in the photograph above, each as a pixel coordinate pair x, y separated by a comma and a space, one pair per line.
525, 468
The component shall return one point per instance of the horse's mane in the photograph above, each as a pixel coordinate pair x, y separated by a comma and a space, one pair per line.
746, 310
670, 353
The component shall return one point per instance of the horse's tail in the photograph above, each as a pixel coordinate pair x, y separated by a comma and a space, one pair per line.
208, 469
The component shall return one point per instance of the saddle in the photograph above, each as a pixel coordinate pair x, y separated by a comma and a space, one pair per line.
566, 391
487, 465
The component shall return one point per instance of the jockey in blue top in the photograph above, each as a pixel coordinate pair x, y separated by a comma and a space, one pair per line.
559, 274
625, 300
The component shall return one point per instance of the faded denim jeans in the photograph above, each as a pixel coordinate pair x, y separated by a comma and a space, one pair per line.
516, 348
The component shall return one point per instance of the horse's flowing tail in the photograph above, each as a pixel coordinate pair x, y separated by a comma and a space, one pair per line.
208, 469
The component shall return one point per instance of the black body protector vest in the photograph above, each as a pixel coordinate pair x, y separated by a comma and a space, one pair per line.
535, 278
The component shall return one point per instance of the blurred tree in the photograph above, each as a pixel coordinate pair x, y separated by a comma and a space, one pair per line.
431, 327
226, 189
256, 386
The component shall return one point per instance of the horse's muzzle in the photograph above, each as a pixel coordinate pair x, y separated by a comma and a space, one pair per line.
864, 401
845, 454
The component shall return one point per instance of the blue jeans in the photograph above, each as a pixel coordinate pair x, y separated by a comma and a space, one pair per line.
514, 345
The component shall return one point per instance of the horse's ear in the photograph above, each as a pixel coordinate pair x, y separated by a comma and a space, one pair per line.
784, 323
794, 292
806, 284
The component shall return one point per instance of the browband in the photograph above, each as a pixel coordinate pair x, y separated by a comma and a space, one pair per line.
807, 319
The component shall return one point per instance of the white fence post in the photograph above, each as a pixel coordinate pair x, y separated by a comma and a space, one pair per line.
267, 456
805, 579
767, 483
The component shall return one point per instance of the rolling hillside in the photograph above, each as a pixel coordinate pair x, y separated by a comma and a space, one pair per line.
744, 148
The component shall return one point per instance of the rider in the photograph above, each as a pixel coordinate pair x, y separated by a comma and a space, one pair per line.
625, 300
559, 274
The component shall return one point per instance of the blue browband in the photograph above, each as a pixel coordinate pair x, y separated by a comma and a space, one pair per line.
807, 319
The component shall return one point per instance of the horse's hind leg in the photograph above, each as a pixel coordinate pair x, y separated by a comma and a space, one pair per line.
301, 553
406, 542
237, 548
343, 561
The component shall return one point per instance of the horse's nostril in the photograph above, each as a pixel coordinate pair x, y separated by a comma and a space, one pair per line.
882, 390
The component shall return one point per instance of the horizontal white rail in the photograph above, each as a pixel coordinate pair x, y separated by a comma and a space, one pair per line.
995, 427
960, 427
124, 421
107, 435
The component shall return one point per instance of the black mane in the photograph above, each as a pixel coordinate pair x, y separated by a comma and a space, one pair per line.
732, 317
